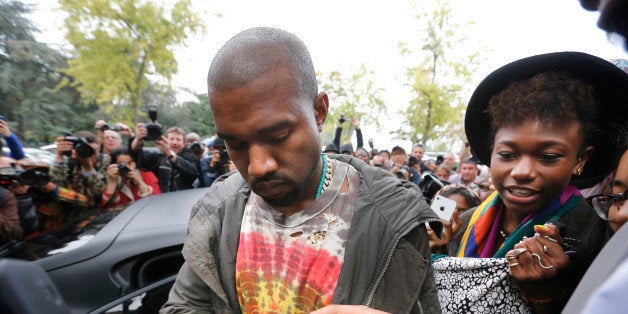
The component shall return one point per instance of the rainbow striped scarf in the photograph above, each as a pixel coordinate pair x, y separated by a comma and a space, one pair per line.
480, 237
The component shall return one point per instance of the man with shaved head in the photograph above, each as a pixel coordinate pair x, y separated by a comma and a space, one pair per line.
295, 230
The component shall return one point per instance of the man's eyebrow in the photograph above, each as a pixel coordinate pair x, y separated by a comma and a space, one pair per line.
265, 130
617, 183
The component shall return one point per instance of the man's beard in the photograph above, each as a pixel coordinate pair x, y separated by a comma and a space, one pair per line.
291, 197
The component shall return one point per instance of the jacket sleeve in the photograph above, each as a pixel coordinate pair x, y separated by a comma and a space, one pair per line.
147, 160
59, 172
15, 147
337, 137
189, 294
358, 136
186, 166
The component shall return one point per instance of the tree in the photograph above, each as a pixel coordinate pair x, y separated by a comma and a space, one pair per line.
354, 96
193, 116
29, 96
435, 112
121, 45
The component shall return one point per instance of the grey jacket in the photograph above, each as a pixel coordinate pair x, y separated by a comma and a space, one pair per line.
387, 260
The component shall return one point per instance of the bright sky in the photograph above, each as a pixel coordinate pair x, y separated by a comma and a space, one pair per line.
343, 34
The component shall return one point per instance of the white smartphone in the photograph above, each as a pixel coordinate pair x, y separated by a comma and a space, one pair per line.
443, 207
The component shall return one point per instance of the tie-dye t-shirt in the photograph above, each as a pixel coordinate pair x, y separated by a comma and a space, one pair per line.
291, 264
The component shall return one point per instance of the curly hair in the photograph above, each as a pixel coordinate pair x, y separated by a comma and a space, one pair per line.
554, 98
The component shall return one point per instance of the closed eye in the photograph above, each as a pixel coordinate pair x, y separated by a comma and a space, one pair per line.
506, 155
550, 158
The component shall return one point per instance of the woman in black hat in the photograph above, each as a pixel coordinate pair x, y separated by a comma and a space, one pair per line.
544, 126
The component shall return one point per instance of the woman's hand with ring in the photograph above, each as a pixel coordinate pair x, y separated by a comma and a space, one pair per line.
542, 258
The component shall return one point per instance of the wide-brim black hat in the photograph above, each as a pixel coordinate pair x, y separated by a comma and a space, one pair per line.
610, 87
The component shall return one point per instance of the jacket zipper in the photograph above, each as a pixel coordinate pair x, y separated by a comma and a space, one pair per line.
371, 291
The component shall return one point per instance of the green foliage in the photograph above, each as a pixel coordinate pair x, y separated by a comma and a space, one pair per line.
36, 110
439, 81
192, 116
120, 45
354, 95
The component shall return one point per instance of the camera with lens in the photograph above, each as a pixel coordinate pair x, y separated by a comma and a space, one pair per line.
106, 126
32, 177
224, 156
81, 146
413, 161
401, 173
154, 129
195, 147
123, 169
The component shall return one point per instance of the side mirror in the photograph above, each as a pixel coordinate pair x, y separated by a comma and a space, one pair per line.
26, 288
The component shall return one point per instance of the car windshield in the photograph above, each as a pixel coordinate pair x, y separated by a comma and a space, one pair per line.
75, 235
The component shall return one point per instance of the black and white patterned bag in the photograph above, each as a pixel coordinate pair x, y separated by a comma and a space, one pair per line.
477, 285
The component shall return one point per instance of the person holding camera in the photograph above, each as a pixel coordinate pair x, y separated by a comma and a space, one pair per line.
400, 168
79, 167
347, 148
13, 143
217, 164
174, 164
109, 137
125, 182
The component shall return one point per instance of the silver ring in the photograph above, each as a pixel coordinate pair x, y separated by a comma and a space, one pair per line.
519, 251
541, 263
545, 249
513, 264
551, 239
510, 257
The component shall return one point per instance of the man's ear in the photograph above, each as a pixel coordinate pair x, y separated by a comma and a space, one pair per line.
321, 108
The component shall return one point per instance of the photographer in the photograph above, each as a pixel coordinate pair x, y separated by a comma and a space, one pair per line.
358, 133
56, 207
217, 164
400, 169
174, 164
13, 143
109, 137
78, 167
125, 182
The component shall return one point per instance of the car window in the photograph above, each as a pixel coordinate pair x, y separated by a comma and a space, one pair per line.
69, 238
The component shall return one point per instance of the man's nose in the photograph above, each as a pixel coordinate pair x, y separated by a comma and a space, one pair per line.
261, 161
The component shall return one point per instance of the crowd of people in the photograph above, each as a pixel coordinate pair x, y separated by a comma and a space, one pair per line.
100, 171
290, 225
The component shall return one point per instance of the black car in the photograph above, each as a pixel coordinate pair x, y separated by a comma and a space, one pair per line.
115, 254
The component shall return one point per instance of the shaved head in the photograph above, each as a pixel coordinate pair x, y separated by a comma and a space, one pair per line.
255, 52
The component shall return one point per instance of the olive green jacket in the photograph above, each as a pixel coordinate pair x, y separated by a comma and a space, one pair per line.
387, 260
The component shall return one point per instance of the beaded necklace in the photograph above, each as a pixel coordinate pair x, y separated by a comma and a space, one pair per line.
325, 180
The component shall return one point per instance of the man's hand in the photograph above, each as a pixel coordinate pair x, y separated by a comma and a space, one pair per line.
126, 130
4, 129
162, 144
140, 134
355, 122
62, 147
215, 158
140, 131
113, 172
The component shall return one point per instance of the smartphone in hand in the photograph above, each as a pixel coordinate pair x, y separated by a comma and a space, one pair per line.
443, 207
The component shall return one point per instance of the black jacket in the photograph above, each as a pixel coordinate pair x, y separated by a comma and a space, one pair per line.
176, 176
